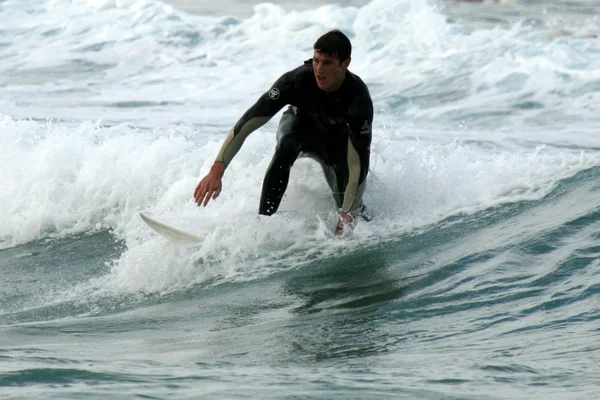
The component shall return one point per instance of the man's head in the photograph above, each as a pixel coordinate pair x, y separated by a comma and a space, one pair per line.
331, 59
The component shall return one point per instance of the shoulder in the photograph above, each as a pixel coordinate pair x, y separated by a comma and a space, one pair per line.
297, 75
361, 103
358, 86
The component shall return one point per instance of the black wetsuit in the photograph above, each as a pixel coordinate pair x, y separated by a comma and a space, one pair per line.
333, 128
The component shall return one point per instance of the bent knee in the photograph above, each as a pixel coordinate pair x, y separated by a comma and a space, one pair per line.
288, 147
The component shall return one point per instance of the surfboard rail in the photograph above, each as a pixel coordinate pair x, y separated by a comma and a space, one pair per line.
170, 232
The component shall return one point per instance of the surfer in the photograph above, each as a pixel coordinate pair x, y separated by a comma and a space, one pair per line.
329, 119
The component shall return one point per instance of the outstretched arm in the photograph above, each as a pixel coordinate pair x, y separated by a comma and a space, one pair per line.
359, 151
264, 109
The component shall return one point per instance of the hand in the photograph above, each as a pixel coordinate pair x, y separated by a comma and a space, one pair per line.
345, 224
210, 186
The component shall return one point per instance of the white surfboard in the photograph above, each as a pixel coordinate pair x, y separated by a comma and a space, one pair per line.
170, 232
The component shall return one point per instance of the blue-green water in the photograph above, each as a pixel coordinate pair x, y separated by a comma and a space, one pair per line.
477, 279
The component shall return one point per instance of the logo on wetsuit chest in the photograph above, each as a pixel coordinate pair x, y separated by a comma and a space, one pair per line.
274, 94
365, 129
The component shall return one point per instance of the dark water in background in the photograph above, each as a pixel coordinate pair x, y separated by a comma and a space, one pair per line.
478, 277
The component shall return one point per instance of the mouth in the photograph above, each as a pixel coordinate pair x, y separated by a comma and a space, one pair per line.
320, 79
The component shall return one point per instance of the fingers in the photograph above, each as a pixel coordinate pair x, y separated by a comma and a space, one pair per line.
207, 195
205, 191
199, 193
345, 225
339, 229
204, 196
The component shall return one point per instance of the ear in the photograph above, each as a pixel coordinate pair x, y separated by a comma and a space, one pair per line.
346, 63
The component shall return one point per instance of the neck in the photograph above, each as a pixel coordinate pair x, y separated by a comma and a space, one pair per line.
339, 85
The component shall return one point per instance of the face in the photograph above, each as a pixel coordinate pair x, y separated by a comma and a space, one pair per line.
329, 72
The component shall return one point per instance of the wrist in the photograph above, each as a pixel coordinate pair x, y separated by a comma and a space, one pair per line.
218, 168
346, 217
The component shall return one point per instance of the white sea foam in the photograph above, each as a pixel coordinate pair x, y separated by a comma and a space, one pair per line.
60, 181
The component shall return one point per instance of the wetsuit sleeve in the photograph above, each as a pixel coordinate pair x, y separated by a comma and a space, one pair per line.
360, 123
256, 116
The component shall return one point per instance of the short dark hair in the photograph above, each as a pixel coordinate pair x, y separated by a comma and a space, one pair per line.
335, 44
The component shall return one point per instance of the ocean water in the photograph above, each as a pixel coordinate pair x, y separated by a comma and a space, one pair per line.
479, 277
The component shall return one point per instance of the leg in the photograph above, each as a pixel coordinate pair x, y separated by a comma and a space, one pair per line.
335, 163
337, 181
289, 145
337, 174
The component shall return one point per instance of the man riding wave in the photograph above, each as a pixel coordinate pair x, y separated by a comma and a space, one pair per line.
329, 119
